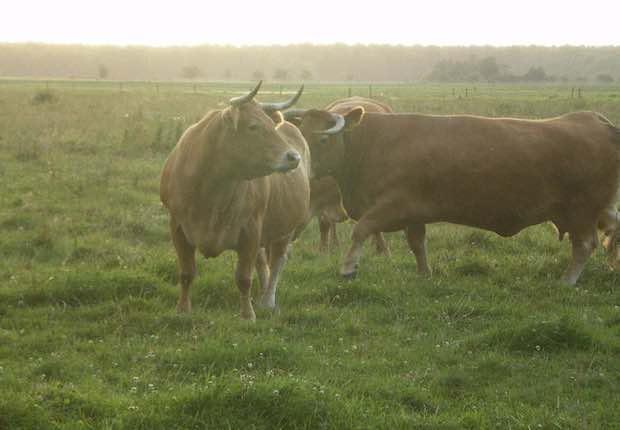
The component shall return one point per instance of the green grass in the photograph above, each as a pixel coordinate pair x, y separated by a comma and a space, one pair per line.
89, 338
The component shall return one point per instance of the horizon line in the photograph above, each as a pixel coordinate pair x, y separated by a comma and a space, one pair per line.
281, 45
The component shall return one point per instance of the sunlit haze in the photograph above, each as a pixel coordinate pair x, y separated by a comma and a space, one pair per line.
186, 22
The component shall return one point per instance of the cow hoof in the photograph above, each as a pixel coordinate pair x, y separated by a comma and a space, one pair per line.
424, 273
184, 307
349, 273
267, 303
249, 317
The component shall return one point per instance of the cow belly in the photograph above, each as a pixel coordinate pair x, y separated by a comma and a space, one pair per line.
213, 242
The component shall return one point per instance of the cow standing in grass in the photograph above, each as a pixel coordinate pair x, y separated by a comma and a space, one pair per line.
403, 171
221, 189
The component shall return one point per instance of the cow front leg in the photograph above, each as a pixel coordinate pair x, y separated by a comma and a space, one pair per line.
416, 238
262, 270
381, 245
247, 254
186, 265
333, 234
278, 257
609, 224
583, 245
377, 219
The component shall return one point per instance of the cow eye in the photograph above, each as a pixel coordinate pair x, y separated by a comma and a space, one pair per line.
253, 127
323, 139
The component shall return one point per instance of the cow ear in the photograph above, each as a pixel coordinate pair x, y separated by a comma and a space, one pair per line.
295, 120
275, 115
230, 116
353, 117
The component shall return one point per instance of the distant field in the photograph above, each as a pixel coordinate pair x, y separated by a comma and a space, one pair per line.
89, 338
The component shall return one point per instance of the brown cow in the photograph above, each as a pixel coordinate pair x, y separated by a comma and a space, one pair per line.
402, 171
218, 187
325, 198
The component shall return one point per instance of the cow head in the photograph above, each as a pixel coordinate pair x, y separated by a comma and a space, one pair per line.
251, 145
325, 133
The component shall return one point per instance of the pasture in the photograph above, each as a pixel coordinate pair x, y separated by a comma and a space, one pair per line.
89, 336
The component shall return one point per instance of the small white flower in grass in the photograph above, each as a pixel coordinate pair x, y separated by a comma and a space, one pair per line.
340, 339
354, 347
250, 365
134, 389
276, 392
136, 379
151, 386
234, 345
538, 348
133, 408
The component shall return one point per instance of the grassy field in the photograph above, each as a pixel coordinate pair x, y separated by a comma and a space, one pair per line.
89, 338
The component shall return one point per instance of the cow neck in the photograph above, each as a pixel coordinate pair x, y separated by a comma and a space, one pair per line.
350, 174
212, 188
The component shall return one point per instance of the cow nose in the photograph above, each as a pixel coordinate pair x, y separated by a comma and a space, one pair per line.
293, 157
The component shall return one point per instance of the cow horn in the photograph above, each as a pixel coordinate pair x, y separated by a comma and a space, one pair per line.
283, 105
238, 101
293, 113
337, 128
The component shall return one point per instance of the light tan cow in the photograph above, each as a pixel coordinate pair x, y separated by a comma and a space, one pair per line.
237, 180
403, 171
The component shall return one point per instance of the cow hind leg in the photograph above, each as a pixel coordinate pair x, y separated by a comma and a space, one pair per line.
186, 265
278, 257
582, 246
324, 229
416, 238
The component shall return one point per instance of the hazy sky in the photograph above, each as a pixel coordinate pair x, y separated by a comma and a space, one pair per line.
237, 22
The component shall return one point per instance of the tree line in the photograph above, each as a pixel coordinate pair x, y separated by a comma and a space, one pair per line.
306, 62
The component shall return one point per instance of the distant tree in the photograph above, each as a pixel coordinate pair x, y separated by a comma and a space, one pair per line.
280, 74
604, 78
305, 75
454, 71
191, 72
535, 74
581, 79
488, 68
350, 77
227, 74
102, 71
258, 75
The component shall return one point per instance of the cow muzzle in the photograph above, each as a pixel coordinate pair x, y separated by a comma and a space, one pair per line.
289, 161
